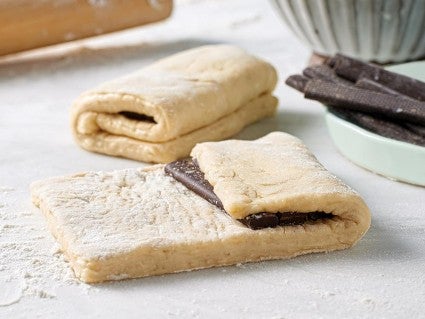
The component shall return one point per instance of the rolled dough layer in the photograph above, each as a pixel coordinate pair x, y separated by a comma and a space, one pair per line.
203, 94
164, 152
136, 223
276, 173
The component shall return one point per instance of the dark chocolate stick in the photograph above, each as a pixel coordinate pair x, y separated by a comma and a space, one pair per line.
188, 173
261, 220
137, 116
265, 220
331, 61
355, 99
324, 72
368, 84
297, 81
380, 126
353, 69
349, 68
418, 129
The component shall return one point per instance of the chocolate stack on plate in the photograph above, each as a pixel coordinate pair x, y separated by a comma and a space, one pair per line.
383, 102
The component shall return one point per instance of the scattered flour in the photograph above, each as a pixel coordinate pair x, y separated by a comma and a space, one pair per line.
31, 264
11, 291
256, 17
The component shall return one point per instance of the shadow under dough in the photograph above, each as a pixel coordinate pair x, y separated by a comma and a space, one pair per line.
381, 243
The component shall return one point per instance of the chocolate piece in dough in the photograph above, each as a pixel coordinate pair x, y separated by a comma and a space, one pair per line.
261, 220
270, 220
187, 172
275, 174
142, 222
137, 116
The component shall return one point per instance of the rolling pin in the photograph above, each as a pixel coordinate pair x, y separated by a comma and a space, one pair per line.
29, 24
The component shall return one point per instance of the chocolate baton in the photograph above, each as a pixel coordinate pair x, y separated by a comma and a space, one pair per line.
369, 84
353, 69
356, 99
324, 72
188, 173
297, 81
380, 126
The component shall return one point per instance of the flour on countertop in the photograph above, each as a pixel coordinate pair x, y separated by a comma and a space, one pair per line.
11, 291
256, 17
31, 264
383, 277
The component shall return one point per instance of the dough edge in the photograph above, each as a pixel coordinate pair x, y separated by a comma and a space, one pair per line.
102, 142
248, 246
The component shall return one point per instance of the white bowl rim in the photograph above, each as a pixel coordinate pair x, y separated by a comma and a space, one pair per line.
376, 137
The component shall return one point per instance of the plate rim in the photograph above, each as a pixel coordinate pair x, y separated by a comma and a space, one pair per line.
408, 154
377, 137
333, 122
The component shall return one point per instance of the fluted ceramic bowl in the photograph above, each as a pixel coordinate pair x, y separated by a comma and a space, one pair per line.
376, 30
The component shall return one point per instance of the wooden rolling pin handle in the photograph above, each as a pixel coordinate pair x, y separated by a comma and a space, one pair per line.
29, 24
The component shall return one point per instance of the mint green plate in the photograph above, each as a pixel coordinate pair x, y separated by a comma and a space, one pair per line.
394, 159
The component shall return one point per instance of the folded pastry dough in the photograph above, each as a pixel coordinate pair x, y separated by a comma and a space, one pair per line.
277, 173
160, 112
135, 223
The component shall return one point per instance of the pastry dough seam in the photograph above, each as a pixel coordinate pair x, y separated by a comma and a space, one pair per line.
138, 100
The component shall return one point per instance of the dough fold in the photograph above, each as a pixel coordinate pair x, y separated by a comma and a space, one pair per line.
141, 222
160, 112
277, 173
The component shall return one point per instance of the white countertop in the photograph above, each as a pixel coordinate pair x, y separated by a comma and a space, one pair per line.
382, 277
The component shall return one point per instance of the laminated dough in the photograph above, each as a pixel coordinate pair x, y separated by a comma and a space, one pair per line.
141, 222
276, 173
160, 112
